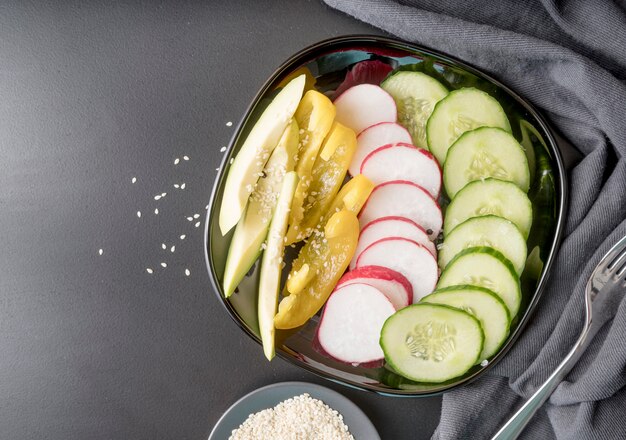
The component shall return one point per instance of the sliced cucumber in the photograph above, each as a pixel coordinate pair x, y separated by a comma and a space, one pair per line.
482, 153
529, 133
271, 264
415, 94
255, 151
490, 196
251, 230
462, 110
490, 230
482, 303
431, 343
485, 267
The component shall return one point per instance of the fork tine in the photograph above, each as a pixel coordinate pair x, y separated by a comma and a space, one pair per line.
616, 256
620, 265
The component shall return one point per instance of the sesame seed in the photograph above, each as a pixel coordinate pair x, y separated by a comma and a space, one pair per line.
163, 264
185, 157
232, 159
133, 180
150, 271
100, 251
163, 194
176, 161
187, 272
197, 224
183, 186
163, 246
222, 149
156, 211
190, 219
172, 249
176, 185
217, 169
158, 197
182, 237
139, 214
196, 215
206, 207
229, 124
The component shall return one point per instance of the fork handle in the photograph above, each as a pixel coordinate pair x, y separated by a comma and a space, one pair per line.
516, 424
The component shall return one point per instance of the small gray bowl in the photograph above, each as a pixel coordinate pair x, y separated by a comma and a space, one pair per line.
267, 397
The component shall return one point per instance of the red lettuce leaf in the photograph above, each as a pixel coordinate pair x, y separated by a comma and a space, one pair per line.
365, 72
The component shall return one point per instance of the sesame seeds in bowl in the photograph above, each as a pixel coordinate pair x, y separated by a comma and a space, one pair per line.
294, 410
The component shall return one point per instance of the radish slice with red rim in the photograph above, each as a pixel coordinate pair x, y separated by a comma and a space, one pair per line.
409, 258
403, 162
391, 227
364, 105
403, 199
351, 323
392, 284
374, 137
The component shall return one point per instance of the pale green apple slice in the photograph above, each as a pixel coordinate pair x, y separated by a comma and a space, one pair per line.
255, 151
272, 264
251, 231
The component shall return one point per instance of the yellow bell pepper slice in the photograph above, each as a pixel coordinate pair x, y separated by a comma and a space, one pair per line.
309, 79
327, 254
351, 197
327, 175
314, 115
298, 279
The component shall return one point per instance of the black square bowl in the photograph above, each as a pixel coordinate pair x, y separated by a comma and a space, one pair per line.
329, 61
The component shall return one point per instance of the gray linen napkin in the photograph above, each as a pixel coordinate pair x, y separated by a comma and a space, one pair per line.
569, 59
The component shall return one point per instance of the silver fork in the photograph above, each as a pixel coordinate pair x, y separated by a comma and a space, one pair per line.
601, 296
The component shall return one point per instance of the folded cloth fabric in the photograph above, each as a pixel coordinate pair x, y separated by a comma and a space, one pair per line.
569, 58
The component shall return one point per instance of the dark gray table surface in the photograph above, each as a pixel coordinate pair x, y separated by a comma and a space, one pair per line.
93, 94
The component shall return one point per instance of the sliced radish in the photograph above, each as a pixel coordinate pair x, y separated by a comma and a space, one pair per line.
392, 284
364, 105
403, 199
391, 227
409, 258
350, 326
403, 162
376, 136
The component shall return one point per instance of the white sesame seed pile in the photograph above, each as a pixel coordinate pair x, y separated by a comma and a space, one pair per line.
299, 418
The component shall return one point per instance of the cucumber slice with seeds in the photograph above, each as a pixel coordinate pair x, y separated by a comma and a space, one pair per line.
462, 110
490, 230
415, 94
488, 268
431, 343
490, 196
482, 303
482, 153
